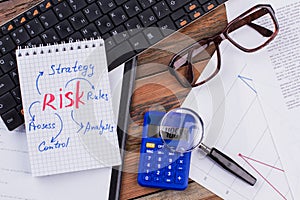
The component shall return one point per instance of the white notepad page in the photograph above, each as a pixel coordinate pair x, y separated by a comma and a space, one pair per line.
67, 107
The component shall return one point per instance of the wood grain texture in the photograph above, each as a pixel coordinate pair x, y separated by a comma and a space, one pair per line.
157, 89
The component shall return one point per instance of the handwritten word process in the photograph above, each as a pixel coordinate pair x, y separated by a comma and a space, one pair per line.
67, 105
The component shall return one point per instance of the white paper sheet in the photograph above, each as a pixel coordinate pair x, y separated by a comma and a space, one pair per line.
276, 77
16, 183
235, 124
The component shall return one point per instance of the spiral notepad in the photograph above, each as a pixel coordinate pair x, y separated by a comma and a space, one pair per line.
67, 107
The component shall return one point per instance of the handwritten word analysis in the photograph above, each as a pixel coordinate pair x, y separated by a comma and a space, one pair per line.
84, 69
99, 128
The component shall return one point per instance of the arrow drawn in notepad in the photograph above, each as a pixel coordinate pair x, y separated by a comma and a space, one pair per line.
29, 110
61, 127
79, 124
248, 82
37, 82
92, 86
247, 159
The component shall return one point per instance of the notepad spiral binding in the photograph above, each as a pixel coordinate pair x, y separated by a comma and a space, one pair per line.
59, 47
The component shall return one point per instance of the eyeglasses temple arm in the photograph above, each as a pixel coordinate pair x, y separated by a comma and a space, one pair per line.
248, 21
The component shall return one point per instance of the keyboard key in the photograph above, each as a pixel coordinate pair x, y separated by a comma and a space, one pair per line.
147, 17
166, 26
34, 27
20, 36
33, 12
75, 36
6, 44
92, 12
64, 29
139, 42
46, 4
106, 5
196, 13
16, 93
153, 35
48, 19
119, 2
78, 20
182, 22
191, 6
202, 1
6, 84
161, 9
118, 16
209, 6
147, 3
12, 119
34, 42
221, 1
7, 63
63, 10
109, 41
133, 26
104, 24
175, 4
132, 8
14, 76
20, 111
6, 103
90, 32
18, 21
77, 5
179, 13
120, 34
119, 54
50, 36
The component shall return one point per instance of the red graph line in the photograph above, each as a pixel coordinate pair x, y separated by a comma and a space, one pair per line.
261, 162
245, 159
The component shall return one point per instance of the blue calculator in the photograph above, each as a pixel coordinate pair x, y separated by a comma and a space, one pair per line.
160, 167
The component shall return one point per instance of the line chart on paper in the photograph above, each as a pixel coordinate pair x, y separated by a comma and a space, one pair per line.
244, 136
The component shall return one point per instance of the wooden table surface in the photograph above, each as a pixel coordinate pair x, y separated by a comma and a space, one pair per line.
155, 89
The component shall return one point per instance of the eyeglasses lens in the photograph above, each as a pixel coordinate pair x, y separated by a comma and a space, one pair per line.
253, 30
197, 64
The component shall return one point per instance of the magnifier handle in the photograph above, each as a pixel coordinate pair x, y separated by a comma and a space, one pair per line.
230, 165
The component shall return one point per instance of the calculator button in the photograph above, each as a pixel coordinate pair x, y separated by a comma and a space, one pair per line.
159, 159
179, 168
180, 161
157, 179
159, 166
169, 167
147, 178
171, 160
160, 152
149, 157
158, 173
168, 180
148, 165
160, 146
149, 151
150, 145
179, 178
169, 173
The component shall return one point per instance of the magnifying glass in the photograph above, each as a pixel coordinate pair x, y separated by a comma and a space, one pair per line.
188, 135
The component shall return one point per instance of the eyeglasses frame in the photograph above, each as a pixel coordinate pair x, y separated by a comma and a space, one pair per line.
219, 37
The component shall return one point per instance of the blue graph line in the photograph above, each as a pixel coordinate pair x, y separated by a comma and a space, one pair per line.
244, 81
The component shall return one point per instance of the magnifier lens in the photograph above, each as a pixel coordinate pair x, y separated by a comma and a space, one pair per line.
181, 130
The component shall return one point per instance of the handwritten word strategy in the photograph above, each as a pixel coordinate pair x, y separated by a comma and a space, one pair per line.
66, 99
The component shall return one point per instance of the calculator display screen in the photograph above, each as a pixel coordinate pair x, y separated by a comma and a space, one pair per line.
175, 133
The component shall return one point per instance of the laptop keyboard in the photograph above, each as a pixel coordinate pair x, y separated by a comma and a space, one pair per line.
125, 25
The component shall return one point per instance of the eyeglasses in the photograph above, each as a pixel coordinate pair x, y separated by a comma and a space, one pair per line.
200, 62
